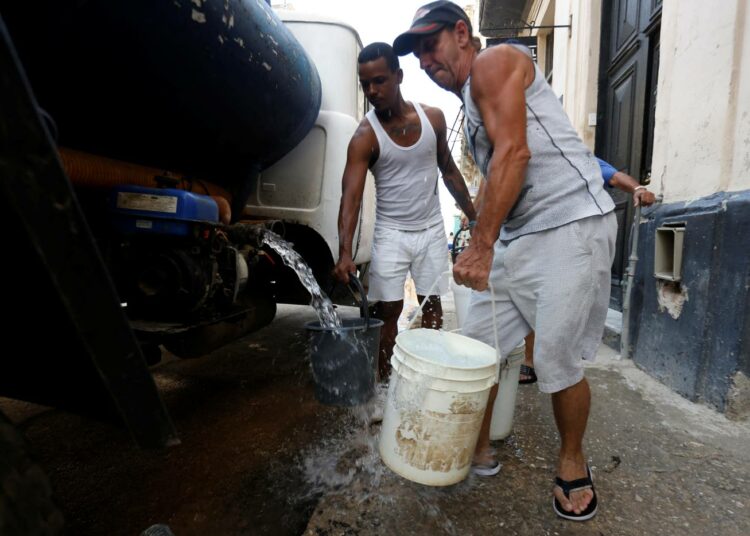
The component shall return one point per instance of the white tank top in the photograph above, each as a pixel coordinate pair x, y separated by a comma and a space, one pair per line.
406, 179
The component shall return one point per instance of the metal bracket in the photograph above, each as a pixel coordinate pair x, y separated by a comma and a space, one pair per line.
523, 25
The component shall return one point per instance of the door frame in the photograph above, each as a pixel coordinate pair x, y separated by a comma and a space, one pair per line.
637, 50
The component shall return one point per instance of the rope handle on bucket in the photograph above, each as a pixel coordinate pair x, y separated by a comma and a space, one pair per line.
500, 362
426, 297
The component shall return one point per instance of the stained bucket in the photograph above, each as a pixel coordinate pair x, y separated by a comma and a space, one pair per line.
344, 360
436, 402
505, 403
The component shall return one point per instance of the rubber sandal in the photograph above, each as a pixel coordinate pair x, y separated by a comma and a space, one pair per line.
528, 371
569, 487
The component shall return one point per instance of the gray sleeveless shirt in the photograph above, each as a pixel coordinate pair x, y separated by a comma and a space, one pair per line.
563, 179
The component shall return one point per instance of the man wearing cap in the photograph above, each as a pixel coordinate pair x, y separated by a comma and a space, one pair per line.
545, 210
404, 144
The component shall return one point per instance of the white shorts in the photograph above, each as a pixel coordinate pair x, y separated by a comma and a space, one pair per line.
555, 282
395, 253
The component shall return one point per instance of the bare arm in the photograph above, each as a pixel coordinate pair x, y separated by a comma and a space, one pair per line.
477, 201
452, 177
499, 79
352, 187
628, 184
480, 196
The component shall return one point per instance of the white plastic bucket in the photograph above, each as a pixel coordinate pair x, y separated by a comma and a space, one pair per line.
505, 402
461, 299
436, 402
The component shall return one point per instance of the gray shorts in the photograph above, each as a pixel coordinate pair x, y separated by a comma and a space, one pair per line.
555, 282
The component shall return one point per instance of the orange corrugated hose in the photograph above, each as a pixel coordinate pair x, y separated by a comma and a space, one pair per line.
225, 209
91, 171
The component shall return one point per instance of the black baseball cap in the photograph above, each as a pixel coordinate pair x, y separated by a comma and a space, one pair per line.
428, 19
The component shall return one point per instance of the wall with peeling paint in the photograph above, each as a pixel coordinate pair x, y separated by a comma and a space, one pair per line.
702, 132
695, 336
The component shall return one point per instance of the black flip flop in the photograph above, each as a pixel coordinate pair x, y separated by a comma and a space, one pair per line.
528, 371
569, 487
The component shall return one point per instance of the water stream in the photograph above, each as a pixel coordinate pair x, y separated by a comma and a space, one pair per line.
319, 301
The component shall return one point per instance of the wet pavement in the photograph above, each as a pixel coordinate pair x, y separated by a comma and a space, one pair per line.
260, 456
244, 414
661, 466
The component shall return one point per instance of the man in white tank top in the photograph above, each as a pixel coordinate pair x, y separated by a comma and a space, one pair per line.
404, 144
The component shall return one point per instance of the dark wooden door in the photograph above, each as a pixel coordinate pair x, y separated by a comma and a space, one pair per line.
627, 92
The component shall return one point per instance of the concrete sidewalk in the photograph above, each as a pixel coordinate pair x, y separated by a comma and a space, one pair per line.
661, 465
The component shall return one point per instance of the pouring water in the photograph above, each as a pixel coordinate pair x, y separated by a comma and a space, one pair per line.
323, 306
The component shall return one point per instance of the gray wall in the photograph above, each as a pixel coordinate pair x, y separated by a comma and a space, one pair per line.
701, 351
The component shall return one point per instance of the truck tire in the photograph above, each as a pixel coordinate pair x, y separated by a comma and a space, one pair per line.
26, 506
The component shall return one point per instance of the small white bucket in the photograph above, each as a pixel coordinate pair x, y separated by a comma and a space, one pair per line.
461, 299
436, 402
505, 402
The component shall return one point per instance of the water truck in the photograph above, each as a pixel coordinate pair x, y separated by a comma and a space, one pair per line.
145, 148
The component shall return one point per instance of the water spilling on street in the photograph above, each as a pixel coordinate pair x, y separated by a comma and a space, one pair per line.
347, 462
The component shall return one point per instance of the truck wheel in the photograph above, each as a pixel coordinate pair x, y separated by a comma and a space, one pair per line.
26, 506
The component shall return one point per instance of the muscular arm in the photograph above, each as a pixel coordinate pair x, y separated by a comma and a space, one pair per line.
480, 195
499, 78
359, 153
452, 177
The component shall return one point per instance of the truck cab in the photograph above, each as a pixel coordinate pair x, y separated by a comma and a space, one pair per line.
303, 189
